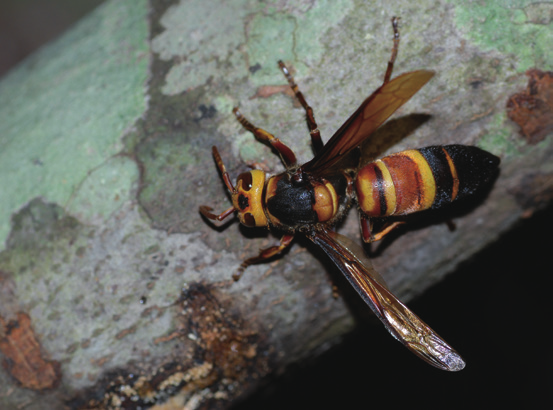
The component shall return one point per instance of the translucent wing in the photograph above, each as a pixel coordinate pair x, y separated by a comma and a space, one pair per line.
376, 109
403, 324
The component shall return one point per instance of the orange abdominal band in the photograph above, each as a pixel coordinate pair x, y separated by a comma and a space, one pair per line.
398, 184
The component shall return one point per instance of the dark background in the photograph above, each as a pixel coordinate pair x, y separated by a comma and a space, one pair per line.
502, 329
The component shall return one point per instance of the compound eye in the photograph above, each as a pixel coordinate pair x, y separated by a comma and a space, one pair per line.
246, 179
243, 202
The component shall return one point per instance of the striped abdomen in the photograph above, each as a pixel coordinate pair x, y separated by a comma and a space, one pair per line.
415, 180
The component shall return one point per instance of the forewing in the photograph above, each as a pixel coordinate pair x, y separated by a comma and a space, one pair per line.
403, 324
376, 109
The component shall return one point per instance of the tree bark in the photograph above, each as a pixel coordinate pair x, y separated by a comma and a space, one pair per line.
120, 292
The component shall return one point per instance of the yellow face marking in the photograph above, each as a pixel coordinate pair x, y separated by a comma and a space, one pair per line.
247, 198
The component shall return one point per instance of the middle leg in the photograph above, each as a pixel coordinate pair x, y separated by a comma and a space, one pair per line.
264, 254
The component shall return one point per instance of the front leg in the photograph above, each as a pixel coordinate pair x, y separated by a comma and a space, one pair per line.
264, 254
206, 211
286, 154
395, 48
309, 115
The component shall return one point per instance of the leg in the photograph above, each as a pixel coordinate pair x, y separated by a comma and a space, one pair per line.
309, 116
264, 254
222, 169
206, 210
369, 236
395, 48
286, 154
